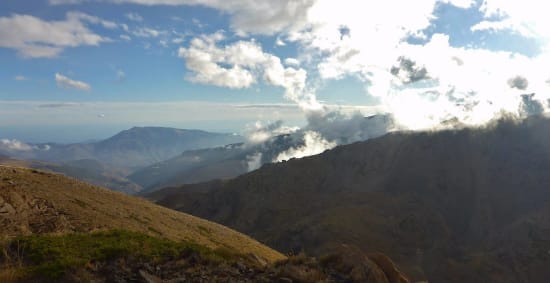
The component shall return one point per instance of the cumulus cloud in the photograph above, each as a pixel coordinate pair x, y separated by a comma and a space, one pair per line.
260, 133
314, 143
33, 37
247, 15
421, 85
292, 62
240, 65
67, 83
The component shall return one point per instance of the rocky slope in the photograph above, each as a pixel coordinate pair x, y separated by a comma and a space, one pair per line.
467, 205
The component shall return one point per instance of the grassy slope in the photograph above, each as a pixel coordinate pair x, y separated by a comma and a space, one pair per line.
90, 171
37, 202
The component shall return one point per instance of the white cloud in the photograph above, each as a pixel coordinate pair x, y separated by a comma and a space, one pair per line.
339, 39
33, 37
134, 17
14, 145
147, 32
67, 83
247, 16
528, 18
461, 3
314, 143
279, 42
82, 17
20, 78
254, 161
292, 62
178, 40
125, 37
259, 133
240, 65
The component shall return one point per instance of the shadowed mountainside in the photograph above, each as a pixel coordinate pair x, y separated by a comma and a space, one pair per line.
470, 205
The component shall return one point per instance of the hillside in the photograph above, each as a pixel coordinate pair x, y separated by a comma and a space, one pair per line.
34, 202
468, 205
193, 166
88, 170
57, 229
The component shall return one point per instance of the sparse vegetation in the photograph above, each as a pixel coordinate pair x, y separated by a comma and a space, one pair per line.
51, 256
51, 203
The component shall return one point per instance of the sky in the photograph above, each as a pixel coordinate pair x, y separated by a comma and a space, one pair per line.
74, 70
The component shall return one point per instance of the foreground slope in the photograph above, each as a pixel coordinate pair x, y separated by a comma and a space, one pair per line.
35, 202
56, 229
469, 205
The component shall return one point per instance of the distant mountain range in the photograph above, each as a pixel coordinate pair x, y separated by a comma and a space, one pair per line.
131, 149
108, 162
469, 205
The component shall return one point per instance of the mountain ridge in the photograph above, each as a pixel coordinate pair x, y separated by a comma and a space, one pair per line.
132, 148
447, 206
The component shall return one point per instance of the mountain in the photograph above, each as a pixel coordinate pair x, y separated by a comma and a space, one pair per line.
57, 229
194, 166
133, 148
88, 170
233, 160
468, 205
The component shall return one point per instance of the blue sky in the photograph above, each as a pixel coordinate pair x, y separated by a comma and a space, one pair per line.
86, 69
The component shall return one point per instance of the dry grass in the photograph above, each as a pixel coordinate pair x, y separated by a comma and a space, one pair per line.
50, 203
